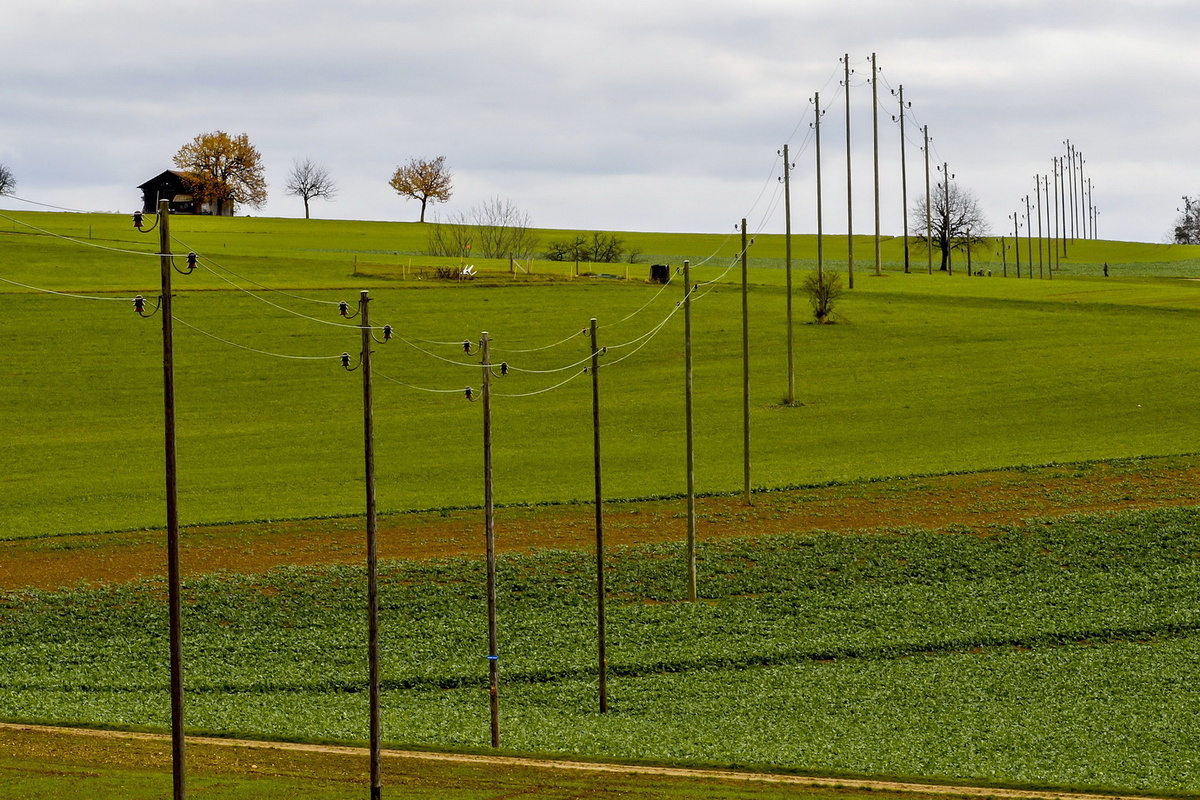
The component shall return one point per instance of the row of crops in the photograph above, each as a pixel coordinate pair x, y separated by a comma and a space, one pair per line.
1062, 652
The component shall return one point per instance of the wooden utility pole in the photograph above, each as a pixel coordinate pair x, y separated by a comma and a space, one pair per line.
372, 563
1037, 184
849, 188
820, 206
904, 179
745, 368
875, 149
601, 624
928, 204
787, 255
1057, 228
691, 450
489, 515
1016, 216
1029, 234
949, 251
1074, 194
1004, 256
174, 583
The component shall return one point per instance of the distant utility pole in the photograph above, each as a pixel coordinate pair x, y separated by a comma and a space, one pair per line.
1037, 184
947, 218
1016, 218
928, 204
1071, 167
849, 187
787, 222
904, 178
875, 146
1057, 229
1029, 235
820, 211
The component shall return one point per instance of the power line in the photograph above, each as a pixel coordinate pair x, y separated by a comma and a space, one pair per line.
65, 294
254, 349
81, 241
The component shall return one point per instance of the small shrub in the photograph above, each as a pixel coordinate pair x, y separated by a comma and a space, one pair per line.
824, 289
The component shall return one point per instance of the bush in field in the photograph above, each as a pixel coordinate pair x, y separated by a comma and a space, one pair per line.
824, 289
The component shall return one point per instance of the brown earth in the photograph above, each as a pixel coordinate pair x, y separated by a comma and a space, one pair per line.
973, 503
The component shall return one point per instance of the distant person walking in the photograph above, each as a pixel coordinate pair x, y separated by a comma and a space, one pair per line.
1106, 269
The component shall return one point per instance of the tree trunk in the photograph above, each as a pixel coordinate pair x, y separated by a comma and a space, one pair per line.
424, 200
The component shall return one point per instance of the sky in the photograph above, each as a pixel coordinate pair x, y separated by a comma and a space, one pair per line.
654, 115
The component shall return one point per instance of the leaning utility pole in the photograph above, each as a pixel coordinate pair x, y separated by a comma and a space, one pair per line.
875, 138
849, 188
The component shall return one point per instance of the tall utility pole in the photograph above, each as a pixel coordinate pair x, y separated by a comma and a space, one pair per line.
820, 209
787, 240
372, 570
1091, 211
849, 188
1016, 218
1074, 196
1055, 227
174, 587
928, 204
1037, 184
489, 516
875, 146
745, 369
947, 218
691, 449
1083, 212
904, 178
601, 622
1029, 235
1062, 184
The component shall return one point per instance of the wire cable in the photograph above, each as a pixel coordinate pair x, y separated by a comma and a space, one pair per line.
214, 262
252, 349
539, 349
48, 205
81, 241
65, 294
411, 386
547, 389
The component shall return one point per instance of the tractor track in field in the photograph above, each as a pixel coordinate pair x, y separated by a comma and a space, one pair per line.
541, 763
971, 503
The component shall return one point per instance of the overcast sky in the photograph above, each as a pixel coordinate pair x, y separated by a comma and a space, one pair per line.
610, 114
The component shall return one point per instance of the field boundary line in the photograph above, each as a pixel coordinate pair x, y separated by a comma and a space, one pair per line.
584, 766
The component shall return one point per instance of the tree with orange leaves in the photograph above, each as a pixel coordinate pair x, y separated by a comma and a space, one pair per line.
223, 170
423, 180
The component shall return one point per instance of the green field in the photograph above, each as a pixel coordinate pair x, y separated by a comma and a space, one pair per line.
922, 374
1063, 654
1059, 653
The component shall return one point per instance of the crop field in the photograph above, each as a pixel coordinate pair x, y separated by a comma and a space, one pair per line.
1033, 645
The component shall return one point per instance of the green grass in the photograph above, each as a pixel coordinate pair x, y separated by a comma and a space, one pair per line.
1061, 654
922, 374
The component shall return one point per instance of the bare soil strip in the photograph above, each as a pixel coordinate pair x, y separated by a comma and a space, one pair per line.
625, 769
973, 503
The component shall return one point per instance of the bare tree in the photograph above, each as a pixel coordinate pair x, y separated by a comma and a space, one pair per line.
957, 222
824, 289
1187, 226
493, 229
423, 180
308, 180
8, 181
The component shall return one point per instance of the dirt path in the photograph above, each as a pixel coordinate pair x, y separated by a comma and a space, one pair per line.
64, 735
970, 503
